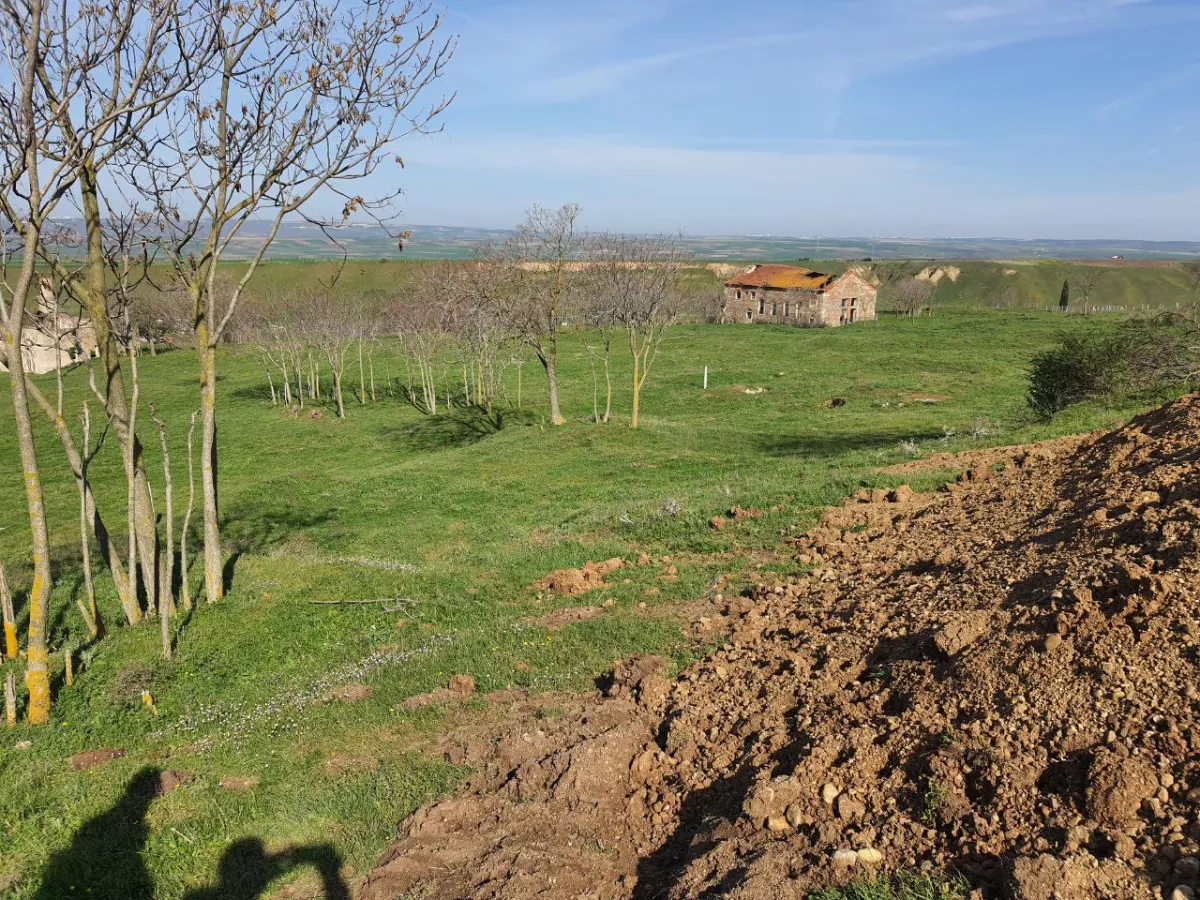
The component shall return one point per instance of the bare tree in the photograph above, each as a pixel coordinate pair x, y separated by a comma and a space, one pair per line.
185, 590
481, 338
1086, 284
87, 603
526, 280
639, 274
594, 308
103, 81
26, 207
422, 321
166, 595
10, 648
334, 329
303, 100
909, 295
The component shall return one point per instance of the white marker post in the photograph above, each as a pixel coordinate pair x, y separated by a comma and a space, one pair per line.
706, 378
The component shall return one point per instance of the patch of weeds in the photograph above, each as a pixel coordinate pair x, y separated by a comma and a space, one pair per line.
670, 508
902, 886
600, 848
932, 802
877, 673
946, 737
909, 448
546, 713
981, 428
129, 683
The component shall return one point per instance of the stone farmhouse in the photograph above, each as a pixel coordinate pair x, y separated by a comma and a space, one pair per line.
53, 340
791, 295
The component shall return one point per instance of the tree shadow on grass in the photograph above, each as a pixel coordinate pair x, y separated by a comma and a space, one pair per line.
457, 427
247, 869
105, 858
831, 443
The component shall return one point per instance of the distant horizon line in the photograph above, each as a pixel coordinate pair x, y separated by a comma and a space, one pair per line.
751, 235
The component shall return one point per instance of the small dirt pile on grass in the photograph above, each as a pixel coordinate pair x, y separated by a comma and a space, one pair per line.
571, 582
1000, 681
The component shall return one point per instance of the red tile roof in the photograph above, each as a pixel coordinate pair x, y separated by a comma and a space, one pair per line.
779, 276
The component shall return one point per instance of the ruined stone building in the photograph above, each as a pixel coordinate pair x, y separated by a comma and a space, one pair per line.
53, 340
791, 295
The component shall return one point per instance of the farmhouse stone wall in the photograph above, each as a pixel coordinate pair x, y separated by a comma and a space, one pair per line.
847, 299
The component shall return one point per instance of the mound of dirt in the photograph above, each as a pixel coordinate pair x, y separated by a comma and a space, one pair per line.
570, 582
1000, 680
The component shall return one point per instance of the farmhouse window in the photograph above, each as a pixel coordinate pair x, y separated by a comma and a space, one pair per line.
762, 305
749, 314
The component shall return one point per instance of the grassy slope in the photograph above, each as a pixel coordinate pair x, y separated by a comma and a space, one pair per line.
318, 509
1021, 283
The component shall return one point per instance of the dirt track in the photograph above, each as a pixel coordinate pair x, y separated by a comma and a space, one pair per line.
998, 680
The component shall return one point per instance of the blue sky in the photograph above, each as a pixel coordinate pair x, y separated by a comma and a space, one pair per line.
921, 118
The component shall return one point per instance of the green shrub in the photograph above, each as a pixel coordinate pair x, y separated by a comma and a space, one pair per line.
1087, 366
1143, 357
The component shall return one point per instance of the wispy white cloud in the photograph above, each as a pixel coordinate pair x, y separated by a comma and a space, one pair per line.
604, 156
589, 82
626, 185
1154, 87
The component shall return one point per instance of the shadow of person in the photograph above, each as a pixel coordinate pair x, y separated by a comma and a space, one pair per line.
104, 859
246, 869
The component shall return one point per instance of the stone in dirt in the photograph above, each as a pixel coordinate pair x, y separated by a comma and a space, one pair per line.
570, 582
89, 759
921, 690
462, 685
1117, 786
962, 632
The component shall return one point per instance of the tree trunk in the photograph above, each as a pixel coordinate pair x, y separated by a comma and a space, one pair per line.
637, 381
93, 292
37, 672
108, 549
551, 365
87, 606
167, 591
10, 701
185, 589
337, 390
595, 387
214, 585
10, 621
133, 612
607, 381
362, 378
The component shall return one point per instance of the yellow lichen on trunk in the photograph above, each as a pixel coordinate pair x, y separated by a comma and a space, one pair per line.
37, 680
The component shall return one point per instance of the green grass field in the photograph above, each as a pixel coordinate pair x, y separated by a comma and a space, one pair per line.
456, 520
983, 284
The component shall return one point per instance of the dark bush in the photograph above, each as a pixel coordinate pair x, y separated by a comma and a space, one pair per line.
1089, 366
1145, 356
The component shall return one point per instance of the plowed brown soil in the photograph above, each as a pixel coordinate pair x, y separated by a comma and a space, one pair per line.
998, 680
